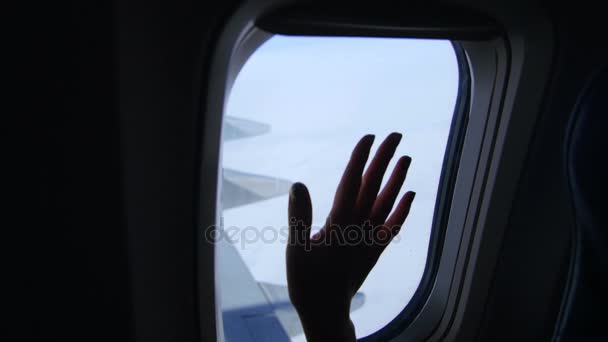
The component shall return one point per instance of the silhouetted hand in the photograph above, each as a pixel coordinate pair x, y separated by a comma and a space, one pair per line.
325, 271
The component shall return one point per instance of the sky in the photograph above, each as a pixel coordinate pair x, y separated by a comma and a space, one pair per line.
320, 96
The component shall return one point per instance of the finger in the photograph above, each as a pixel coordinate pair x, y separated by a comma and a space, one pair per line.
395, 221
300, 215
347, 192
372, 179
384, 203
319, 237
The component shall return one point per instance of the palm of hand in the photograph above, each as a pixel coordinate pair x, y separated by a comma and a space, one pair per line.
325, 271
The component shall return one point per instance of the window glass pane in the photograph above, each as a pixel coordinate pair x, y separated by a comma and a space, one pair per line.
295, 112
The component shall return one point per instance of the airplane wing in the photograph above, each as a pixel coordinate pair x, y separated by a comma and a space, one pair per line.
241, 188
251, 310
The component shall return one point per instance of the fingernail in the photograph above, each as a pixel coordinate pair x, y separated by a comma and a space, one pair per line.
407, 160
413, 196
397, 136
369, 138
296, 190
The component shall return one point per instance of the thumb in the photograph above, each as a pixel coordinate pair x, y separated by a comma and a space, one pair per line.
300, 215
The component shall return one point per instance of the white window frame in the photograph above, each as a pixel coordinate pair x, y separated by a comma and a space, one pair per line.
508, 76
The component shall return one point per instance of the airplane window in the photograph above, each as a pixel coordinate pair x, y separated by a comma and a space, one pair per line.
295, 112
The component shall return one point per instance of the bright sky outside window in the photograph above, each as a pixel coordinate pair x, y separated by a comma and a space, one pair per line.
295, 112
